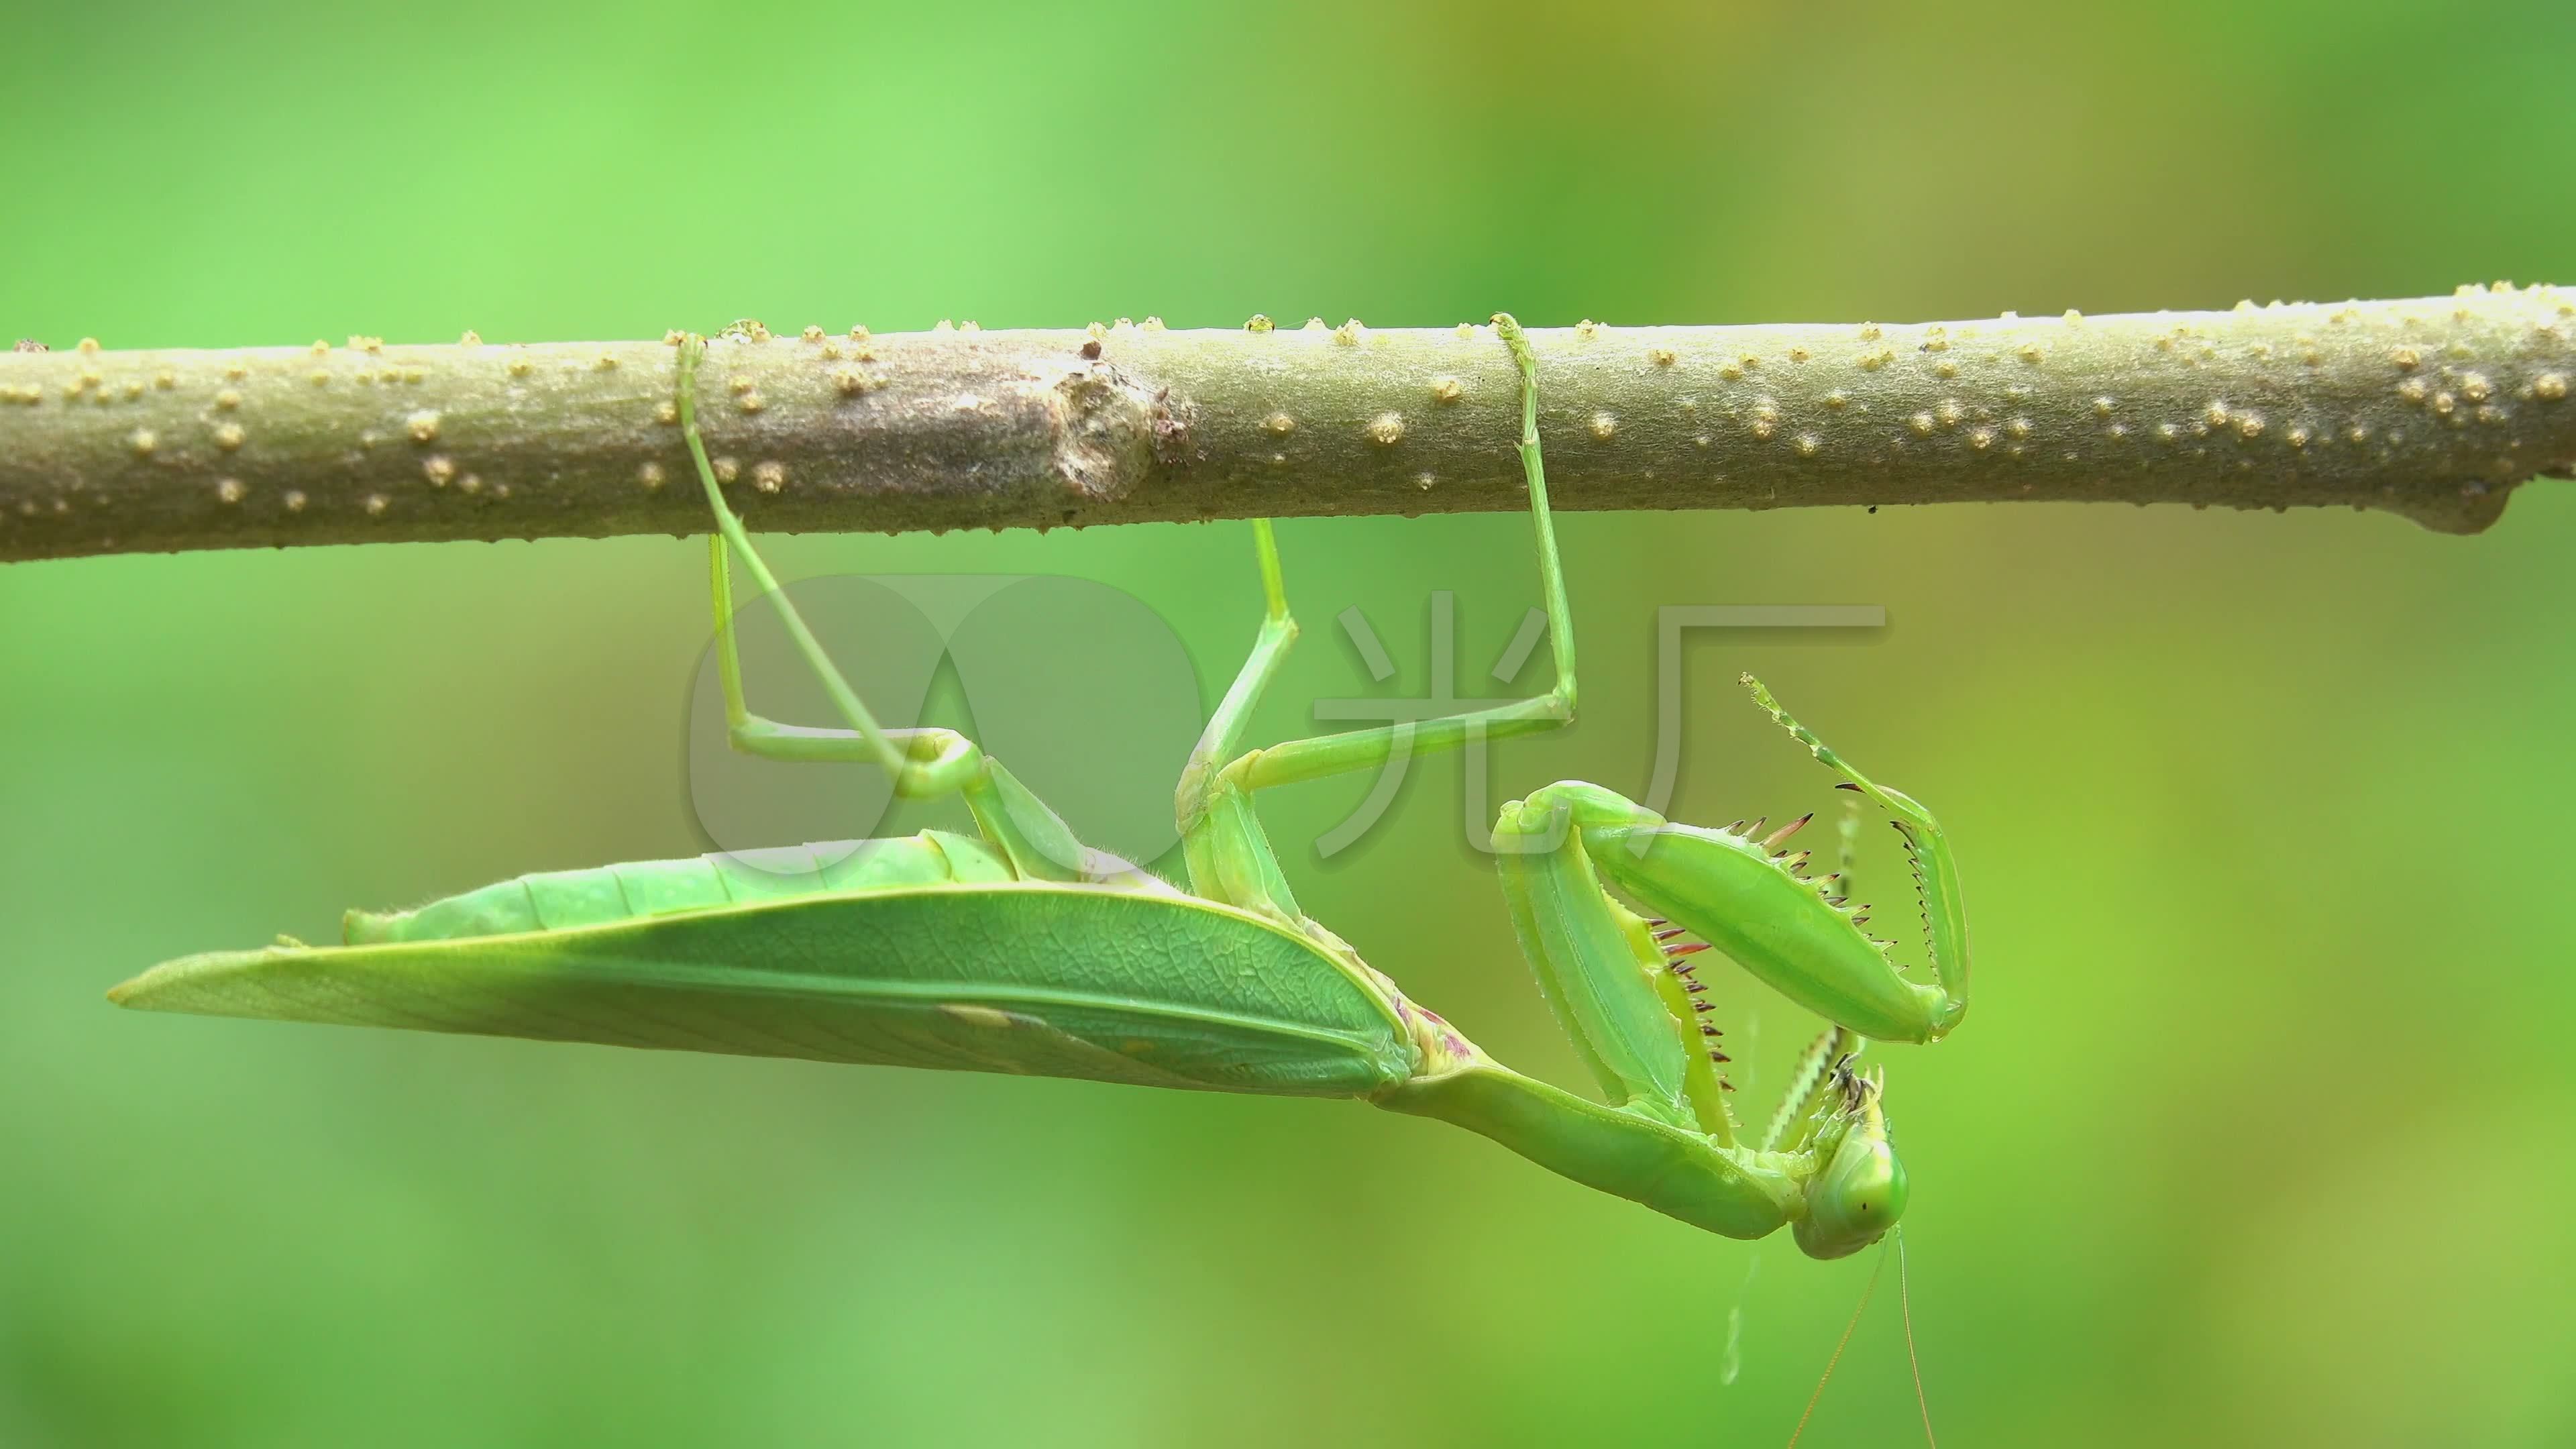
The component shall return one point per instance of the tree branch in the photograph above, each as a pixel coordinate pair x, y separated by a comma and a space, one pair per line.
2433, 408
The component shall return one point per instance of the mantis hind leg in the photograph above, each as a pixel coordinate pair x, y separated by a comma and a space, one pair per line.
1228, 854
923, 763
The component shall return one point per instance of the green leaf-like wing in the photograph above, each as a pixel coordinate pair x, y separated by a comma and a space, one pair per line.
1044, 980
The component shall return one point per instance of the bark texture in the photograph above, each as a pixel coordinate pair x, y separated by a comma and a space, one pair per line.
2434, 408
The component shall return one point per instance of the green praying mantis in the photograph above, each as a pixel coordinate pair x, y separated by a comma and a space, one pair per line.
1018, 949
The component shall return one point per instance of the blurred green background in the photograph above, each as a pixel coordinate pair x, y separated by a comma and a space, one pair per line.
2258, 1131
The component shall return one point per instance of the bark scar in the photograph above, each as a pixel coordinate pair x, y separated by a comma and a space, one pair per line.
1109, 429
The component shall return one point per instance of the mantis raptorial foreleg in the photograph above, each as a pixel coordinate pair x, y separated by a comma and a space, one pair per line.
1945, 916
1808, 1081
1752, 898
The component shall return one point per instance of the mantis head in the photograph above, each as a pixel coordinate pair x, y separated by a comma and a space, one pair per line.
1860, 1191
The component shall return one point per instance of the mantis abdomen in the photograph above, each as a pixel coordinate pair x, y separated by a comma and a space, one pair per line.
1031, 978
565, 899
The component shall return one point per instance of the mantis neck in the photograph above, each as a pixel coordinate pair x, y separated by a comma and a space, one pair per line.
1734, 1192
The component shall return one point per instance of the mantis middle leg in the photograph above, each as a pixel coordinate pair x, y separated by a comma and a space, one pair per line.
1229, 856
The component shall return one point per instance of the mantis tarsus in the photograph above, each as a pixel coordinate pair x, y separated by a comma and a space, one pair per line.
1018, 949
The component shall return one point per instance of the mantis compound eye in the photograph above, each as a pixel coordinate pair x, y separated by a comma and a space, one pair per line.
1857, 1198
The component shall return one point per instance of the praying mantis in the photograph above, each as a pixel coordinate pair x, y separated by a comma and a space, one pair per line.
1018, 949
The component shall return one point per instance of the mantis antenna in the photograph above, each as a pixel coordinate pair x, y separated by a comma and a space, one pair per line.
1905, 1302
1839, 1345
